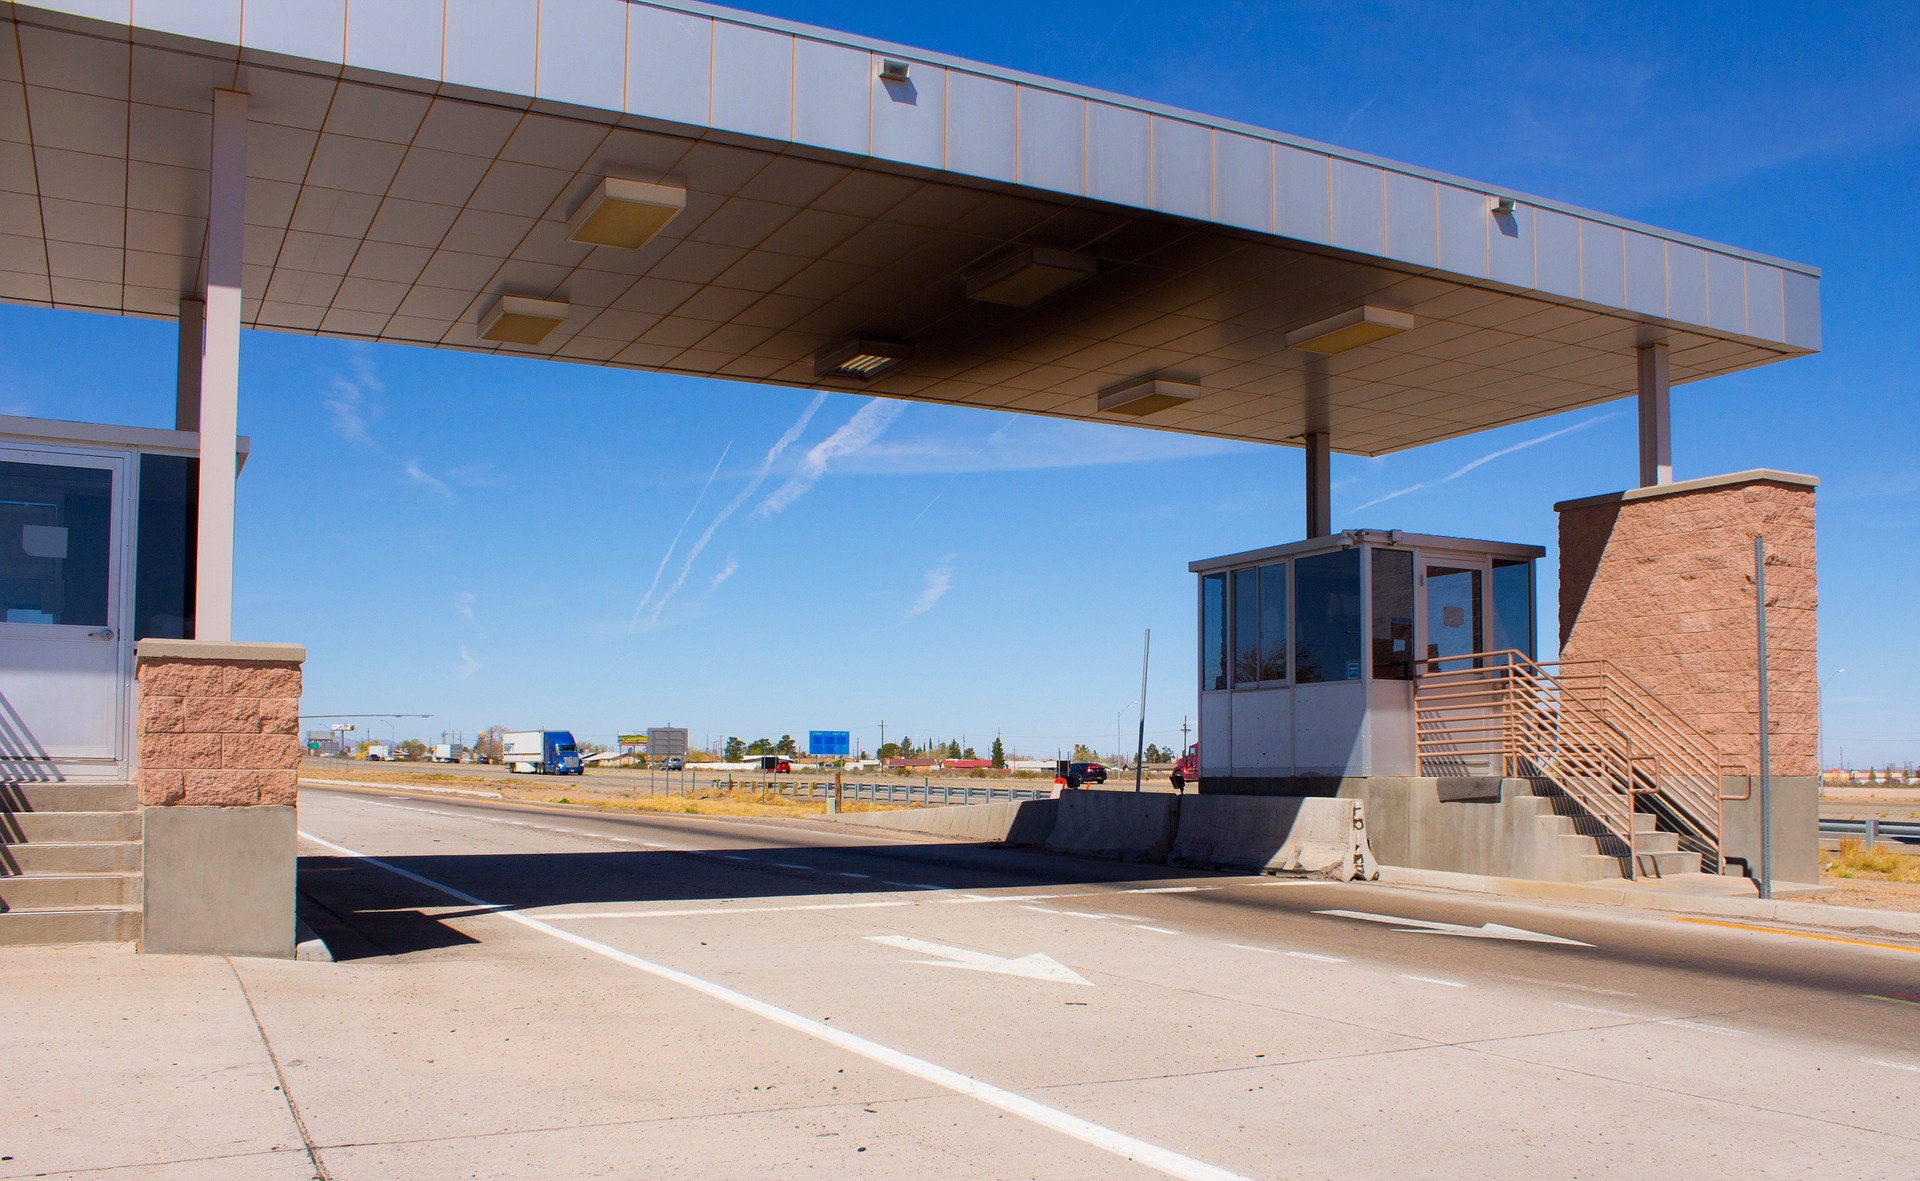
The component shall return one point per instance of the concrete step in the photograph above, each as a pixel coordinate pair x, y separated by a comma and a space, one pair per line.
1657, 865
67, 797
42, 928
1656, 842
57, 891
35, 828
70, 857
1645, 822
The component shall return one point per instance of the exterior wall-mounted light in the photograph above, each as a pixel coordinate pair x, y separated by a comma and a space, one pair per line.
861, 360
624, 213
1024, 276
1349, 330
1151, 395
517, 319
892, 70
1501, 206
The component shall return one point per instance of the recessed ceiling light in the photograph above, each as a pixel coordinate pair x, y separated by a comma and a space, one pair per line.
1147, 396
861, 360
624, 213
1024, 276
1349, 330
516, 319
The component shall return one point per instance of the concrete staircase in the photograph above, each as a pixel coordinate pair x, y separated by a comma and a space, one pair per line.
1589, 852
69, 863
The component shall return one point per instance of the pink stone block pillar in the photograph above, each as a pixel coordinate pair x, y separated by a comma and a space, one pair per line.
216, 756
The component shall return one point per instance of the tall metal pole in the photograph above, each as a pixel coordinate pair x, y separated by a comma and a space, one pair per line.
1140, 750
1766, 782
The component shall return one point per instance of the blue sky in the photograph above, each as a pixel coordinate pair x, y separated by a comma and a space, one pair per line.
502, 541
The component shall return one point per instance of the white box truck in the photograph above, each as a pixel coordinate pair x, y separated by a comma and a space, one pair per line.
379, 754
449, 752
541, 752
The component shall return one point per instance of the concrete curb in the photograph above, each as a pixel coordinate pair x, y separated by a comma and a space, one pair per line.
1803, 914
309, 946
438, 791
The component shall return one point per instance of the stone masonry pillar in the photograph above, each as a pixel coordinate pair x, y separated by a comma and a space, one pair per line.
216, 757
1659, 581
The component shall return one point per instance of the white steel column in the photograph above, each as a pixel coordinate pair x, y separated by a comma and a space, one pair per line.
220, 368
1656, 418
1319, 484
186, 401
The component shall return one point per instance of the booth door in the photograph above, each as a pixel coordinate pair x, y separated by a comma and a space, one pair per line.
1455, 614
62, 695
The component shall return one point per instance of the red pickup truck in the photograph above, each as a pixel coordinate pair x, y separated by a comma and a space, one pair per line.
1186, 769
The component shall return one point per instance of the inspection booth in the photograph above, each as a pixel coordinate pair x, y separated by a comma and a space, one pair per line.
1309, 651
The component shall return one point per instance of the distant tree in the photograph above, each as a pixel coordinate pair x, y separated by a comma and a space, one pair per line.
906, 747
760, 746
968, 754
492, 743
589, 748
735, 750
999, 753
412, 748
1082, 753
888, 750
953, 749
786, 746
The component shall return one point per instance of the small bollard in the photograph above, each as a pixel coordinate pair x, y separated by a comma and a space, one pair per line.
1873, 830
833, 803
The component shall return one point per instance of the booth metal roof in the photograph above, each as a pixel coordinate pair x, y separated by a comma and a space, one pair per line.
410, 161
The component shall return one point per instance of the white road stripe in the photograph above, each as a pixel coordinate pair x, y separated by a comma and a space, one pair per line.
1432, 980
789, 865
1677, 1022
1156, 930
1168, 889
1894, 1065
669, 914
1153, 1156
1307, 955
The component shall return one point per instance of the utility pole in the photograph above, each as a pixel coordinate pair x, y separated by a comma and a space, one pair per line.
1140, 749
1183, 736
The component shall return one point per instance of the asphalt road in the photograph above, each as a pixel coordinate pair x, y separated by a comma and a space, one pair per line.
722, 998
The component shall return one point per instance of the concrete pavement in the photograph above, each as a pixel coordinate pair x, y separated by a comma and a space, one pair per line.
662, 996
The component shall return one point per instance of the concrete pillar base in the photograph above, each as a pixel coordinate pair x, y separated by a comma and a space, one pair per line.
220, 881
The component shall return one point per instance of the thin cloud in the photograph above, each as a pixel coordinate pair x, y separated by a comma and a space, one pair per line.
1464, 468
726, 572
939, 580
854, 436
1355, 116
464, 602
468, 665
759, 477
353, 400
668, 556
413, 472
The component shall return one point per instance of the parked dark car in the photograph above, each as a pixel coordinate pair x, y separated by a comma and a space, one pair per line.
1079, 773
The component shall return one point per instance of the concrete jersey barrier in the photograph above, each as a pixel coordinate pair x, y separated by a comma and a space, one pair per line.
1012, 822
1132, 826
1298, 834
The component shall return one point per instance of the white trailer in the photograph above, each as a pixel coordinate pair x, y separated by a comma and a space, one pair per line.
449, 752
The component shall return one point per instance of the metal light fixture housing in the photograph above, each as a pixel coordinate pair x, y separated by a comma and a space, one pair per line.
519, 319
625, 214
1145, 396
862, 359
1349, 330
1024, 276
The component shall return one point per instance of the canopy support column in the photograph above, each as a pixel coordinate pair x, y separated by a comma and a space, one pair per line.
1656, 418
1319, 484
186, 401
220, 368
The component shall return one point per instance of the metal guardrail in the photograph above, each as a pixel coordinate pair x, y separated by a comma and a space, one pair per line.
1871, 831
875, 793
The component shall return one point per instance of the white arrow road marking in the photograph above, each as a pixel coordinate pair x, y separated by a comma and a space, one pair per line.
1038, 966
1424, 927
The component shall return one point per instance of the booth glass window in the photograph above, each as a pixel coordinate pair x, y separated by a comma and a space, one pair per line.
1246, 626
55, 544
1454, 625
1513, 605
168, 524
1213, 631
1392, 615
1326, 607
1273, 622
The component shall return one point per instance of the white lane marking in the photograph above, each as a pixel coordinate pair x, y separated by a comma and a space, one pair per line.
1158, 930
965, 898
734, 857
1168, 889
1425, 927
1570, 984
1307, 955
1099, 1136
1894, 1065
1676, 1022
845, 874
1251, 947
705, 910
1432, 980
1098, 916
1037, 966
789, 865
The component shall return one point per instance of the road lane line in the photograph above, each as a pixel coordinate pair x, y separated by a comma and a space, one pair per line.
1432, 980
1164, 1160
1892, 1000
1677, 1022
1894, 1065
1307, 955
1251, 947
790, 865
845, 874
1168, 889
1157, 930
669, 914
1798, 934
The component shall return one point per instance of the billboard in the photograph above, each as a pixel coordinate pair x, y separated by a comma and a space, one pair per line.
666, 741
632, 739
830, 742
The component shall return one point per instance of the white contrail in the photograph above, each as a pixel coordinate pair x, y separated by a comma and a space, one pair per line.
733, 506
664, 558
857, 432
1463, 469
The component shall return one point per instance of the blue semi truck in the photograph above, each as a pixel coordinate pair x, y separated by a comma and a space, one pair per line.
541, 752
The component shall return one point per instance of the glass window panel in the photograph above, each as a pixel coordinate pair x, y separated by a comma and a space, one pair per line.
1513, 605
1213, 631
1246, 626
55, 544
1392, 615
1327, 617
164, 569
1453, 617
1273, 622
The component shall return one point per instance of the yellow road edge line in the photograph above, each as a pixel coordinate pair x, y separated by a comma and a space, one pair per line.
1797, 934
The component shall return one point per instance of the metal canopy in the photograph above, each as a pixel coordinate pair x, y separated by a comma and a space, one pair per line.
410, 163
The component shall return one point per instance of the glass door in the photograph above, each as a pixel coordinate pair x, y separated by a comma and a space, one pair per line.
1455, 614
62, 694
